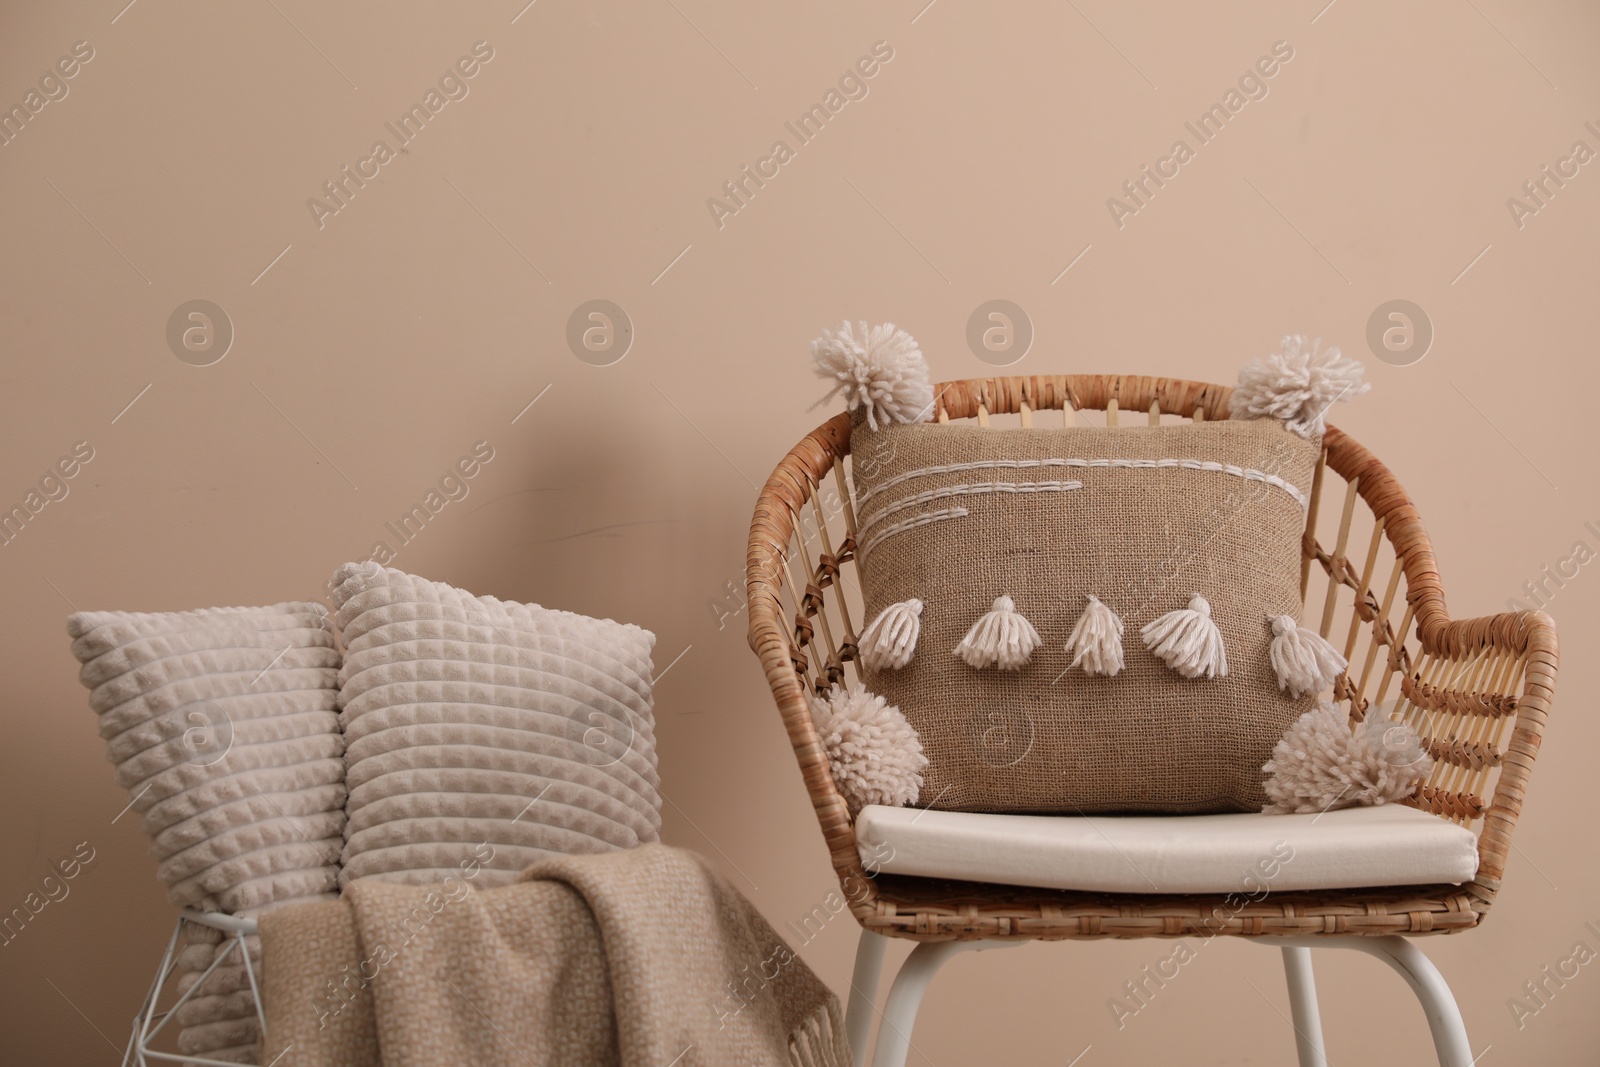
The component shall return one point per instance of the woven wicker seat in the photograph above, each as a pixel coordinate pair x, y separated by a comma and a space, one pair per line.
1477, 690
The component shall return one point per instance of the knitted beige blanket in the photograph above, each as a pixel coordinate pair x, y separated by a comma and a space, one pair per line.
639, 958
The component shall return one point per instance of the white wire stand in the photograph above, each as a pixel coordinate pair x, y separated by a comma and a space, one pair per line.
149, 1023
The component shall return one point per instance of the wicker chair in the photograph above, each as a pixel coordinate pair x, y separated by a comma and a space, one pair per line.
1460, 683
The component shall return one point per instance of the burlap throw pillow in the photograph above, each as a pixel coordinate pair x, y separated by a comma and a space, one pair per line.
1142, 518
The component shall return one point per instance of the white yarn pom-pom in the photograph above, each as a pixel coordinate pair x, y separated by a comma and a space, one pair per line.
1304, 660
873, 752
1188, 641
891, 638
879, 368
1096, 640
1002, 638
1296, 386
1321, 764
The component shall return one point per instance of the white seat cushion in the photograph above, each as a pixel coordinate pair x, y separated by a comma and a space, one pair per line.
1376, 846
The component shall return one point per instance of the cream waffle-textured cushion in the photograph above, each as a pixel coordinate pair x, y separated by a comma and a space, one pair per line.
222, 725
1245, 853
223, 728
219, 1020
486, 731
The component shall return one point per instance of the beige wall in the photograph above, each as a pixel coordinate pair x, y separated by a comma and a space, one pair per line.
425, 314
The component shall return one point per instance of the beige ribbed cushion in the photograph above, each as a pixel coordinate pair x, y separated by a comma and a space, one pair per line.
459, 711
219, 1021
223, 728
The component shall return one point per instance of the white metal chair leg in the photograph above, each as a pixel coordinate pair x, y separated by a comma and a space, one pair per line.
1444, 1017
905, 996
863, 994
1303, 1006
1438, 1003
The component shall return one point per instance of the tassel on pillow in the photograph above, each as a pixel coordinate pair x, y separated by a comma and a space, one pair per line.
889, 641
1321, 764
1096, 641
1002, 638
1303, 659
873, 753
1188, 641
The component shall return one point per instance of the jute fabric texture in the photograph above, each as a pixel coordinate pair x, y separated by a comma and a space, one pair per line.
1157, 514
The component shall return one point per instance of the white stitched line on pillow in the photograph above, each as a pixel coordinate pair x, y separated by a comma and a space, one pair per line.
911, 524
1248, 473
976, 488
